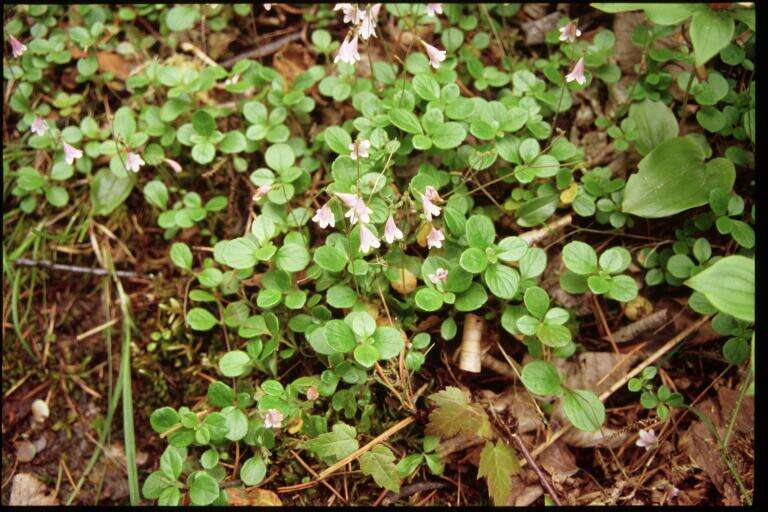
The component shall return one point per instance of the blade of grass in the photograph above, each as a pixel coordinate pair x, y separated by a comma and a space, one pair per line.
15, 313
129, 437
114, 399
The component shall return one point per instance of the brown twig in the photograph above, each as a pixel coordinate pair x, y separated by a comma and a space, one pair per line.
314, 474
410, 490
378, 439
542, 478
604, 323
72, 268
631, 331
537, 235
263, 51
179, 426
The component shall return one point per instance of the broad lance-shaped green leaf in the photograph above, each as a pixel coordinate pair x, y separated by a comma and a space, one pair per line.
655, 123
673, 178
729, 285
380, 464
711, 31
498, 463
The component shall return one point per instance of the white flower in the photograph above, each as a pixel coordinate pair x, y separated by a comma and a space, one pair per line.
17, 47
434, 9
577, 73
368, 22
435, 238
133, 162
430, 209
273, 419
359, 149
173, 164
39, 126
262, 191
348, 51
349, 10
647, 439
569, 32
435, 56
440, 276
368, 240
324, 217
391, 231
71, 154
358, 211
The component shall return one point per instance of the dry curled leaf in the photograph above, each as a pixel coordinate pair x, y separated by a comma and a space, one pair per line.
114, 63
252, 497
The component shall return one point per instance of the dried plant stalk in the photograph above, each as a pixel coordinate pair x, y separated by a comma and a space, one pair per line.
470, 357
538, 235
631, 331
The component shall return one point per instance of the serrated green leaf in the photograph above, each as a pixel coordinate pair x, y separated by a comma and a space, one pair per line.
455, 414
379, 463
498, 463
337, 444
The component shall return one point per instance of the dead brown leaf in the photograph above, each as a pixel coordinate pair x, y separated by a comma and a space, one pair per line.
704, 450
115, 64
253, 496
558, 461
536, 30
292, 60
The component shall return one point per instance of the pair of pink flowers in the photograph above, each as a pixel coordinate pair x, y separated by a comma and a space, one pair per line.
368, 240
358, 213
570, 32
435, 237
133, 161
364, 20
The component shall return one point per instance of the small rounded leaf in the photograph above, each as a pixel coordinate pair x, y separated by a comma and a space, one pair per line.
541, 378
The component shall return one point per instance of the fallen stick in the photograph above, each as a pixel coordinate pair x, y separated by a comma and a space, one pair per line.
378, 439
538, 235
314, 474
629, 332
349, 458
409, 490
72, 268
542, 478
263, 51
